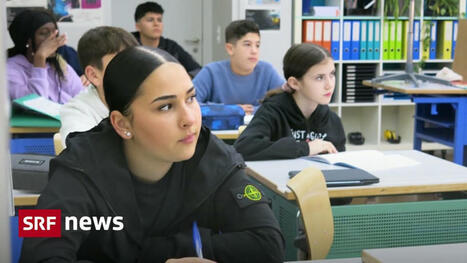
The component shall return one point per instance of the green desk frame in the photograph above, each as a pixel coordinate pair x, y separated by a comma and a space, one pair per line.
358, 227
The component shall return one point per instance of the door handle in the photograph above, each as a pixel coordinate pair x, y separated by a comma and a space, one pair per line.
193, 41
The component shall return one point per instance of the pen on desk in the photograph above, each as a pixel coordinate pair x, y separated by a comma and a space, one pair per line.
197, 240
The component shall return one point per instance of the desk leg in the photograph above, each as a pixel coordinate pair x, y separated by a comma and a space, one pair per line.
417, 142
460, 132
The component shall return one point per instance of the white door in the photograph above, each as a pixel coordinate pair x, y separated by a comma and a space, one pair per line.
182, 21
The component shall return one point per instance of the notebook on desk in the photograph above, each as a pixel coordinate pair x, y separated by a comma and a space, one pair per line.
39, 106
345, 177
368, 160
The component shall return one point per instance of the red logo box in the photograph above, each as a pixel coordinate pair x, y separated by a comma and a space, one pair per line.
39, 223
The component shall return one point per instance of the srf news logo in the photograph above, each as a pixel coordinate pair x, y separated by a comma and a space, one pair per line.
47, 223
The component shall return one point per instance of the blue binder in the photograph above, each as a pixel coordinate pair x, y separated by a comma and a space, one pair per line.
347, 40
416, 39
433, 33
363, 40
377, 43
355, 42
335, 38
454, 38
370, 40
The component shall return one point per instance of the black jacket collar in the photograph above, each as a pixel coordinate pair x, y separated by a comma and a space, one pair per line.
162, 40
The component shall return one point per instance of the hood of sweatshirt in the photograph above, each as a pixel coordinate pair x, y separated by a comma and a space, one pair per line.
313, 125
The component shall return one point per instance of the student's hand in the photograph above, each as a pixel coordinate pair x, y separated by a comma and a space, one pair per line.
319, 146
84, 80
248, 108
189, 260
48, 47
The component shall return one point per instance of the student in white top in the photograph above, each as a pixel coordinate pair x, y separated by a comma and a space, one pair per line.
96, 48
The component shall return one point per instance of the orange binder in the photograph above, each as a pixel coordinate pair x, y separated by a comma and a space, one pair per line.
308, 34
327, 29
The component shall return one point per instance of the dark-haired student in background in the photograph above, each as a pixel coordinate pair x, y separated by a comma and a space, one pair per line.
150, 26
96, 48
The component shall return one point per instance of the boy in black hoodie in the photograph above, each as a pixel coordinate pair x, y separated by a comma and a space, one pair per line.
299, 122
150, 26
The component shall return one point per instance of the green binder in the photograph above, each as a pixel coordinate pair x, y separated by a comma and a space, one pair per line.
35, 111
32, 120
39, 104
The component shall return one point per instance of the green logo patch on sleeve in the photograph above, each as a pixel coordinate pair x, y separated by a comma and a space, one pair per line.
247, 195
252, 193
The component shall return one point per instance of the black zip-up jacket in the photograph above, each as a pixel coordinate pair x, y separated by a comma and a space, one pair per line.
91, 178
280, 131
174, 49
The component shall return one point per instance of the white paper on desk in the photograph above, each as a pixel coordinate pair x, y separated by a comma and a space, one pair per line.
448, 74
426, 85
44, 105
368, 160
392, 161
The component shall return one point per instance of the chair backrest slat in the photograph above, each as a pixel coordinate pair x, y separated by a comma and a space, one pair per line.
309, 187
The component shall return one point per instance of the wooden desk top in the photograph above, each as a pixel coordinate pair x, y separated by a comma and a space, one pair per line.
431, 88
25, 198
431, 175
226, 134
34, 129
426, 254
